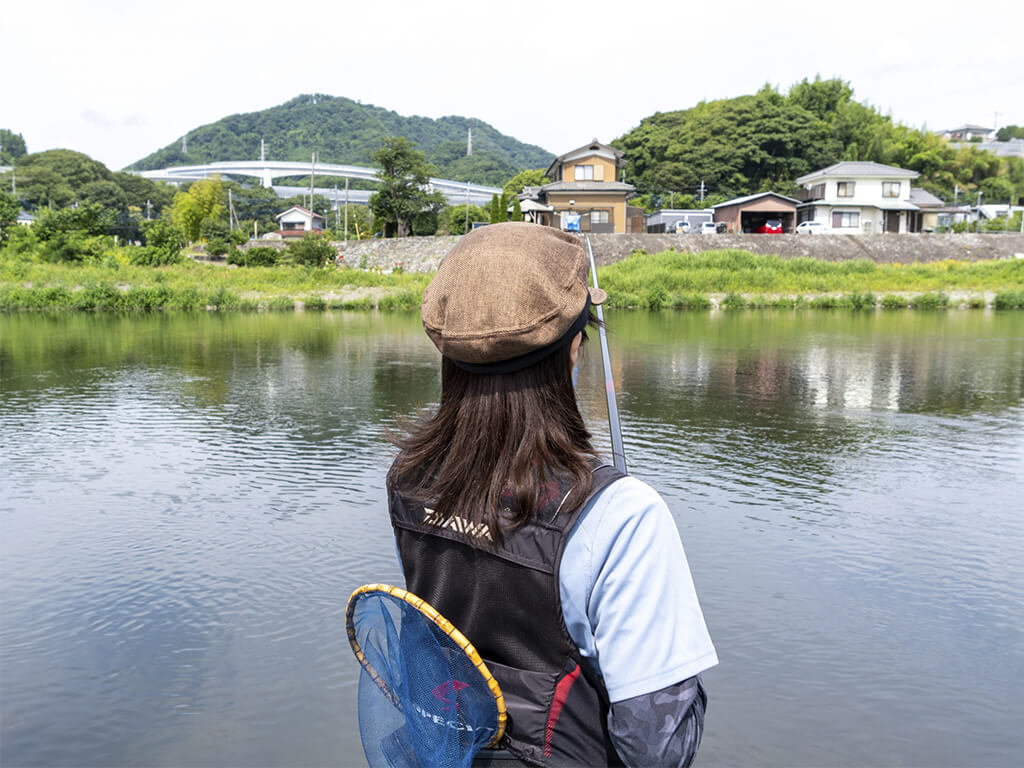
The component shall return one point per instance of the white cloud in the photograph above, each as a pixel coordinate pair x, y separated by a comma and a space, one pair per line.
554, 75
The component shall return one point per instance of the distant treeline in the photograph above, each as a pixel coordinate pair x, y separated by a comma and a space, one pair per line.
765, 141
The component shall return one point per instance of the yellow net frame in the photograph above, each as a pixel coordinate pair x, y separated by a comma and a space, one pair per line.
427, 610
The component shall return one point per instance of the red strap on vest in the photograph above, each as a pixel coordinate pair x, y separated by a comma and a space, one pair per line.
561, 694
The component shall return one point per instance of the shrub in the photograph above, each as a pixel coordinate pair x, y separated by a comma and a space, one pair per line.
930, 301
314, 304
163, 235
826, 302
862, 300
892, 301
281, 304
187, 298
96, 296
153, 256
217, 246
257, 256
1009, 300
74, 247
656, 298
976, 302
146, 298
222, 299
691, 301
311, 251
734, 301
404, 299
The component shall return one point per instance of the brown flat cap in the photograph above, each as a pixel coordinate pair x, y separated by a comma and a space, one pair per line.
507, 292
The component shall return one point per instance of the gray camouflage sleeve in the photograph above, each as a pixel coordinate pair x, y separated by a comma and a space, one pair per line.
661, 728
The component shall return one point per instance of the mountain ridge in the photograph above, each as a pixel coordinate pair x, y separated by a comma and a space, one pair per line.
341, 130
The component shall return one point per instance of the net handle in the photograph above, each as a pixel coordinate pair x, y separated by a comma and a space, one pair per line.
432, 615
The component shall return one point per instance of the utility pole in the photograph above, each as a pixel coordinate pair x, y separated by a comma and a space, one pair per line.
346, 207
956, 193
337, 208
263, 152
231, 212
469, 144
312, 178
149, 208
466, 227
702, 190
184, 144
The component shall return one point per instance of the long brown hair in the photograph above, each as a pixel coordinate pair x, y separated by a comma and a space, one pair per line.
498, 435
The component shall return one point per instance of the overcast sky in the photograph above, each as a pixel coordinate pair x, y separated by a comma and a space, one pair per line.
118, 80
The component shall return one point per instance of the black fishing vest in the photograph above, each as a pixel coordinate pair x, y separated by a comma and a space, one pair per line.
507, 601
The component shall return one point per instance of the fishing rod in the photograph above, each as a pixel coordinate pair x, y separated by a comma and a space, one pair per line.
618, 454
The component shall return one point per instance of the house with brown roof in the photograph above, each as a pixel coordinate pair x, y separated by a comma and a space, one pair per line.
297, 221
585, 193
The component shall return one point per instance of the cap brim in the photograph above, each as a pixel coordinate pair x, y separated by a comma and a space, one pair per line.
597, 295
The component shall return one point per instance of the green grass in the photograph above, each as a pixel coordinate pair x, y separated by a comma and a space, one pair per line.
654, 280
669, 280
119, 287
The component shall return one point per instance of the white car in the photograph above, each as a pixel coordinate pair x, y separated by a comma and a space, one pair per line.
810, 228
682, 227
708, 228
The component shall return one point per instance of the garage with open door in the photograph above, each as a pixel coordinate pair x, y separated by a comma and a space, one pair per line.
764, 212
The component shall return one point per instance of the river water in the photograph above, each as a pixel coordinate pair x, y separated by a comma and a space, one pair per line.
186, 503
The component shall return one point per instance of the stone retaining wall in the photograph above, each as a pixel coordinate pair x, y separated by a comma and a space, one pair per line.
422, 254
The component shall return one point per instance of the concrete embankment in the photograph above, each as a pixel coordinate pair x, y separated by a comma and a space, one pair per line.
423, 254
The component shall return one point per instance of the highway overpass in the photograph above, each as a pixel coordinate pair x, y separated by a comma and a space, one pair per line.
455, 192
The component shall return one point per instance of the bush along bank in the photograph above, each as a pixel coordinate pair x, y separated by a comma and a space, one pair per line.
724, 279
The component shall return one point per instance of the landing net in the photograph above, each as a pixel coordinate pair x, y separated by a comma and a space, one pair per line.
426, 698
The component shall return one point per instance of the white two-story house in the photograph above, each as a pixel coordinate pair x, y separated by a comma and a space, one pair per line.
855, 197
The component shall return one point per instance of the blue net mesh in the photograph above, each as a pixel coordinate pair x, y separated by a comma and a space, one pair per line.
424, 703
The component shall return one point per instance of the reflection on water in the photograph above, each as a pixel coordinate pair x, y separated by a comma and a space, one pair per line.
187, 502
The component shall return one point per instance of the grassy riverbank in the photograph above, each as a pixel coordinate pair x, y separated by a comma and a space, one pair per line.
728, 279
195, 285
736, 279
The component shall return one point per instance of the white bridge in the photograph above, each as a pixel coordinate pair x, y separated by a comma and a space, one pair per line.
455, 192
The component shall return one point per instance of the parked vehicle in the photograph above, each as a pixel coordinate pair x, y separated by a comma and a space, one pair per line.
708, 228
810, 228
770, 227
682, 227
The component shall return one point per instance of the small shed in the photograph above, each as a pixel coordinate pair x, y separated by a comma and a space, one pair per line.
748, 214
297, 221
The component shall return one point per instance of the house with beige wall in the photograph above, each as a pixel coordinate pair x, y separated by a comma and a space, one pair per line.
585, 183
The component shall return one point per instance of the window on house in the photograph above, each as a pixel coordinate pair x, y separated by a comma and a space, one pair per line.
583, 173
599, 217
817, 192
890, 189
845, 188
842, 220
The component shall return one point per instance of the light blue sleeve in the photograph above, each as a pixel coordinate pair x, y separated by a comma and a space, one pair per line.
627, 594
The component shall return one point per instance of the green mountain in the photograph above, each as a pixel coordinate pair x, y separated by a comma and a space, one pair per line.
340, 130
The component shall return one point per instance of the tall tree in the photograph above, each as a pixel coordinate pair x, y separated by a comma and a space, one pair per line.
9, 210
12, 146
404, 191
201, 201
529, 178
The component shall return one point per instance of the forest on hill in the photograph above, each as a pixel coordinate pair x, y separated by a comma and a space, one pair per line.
341, 130
765, 141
